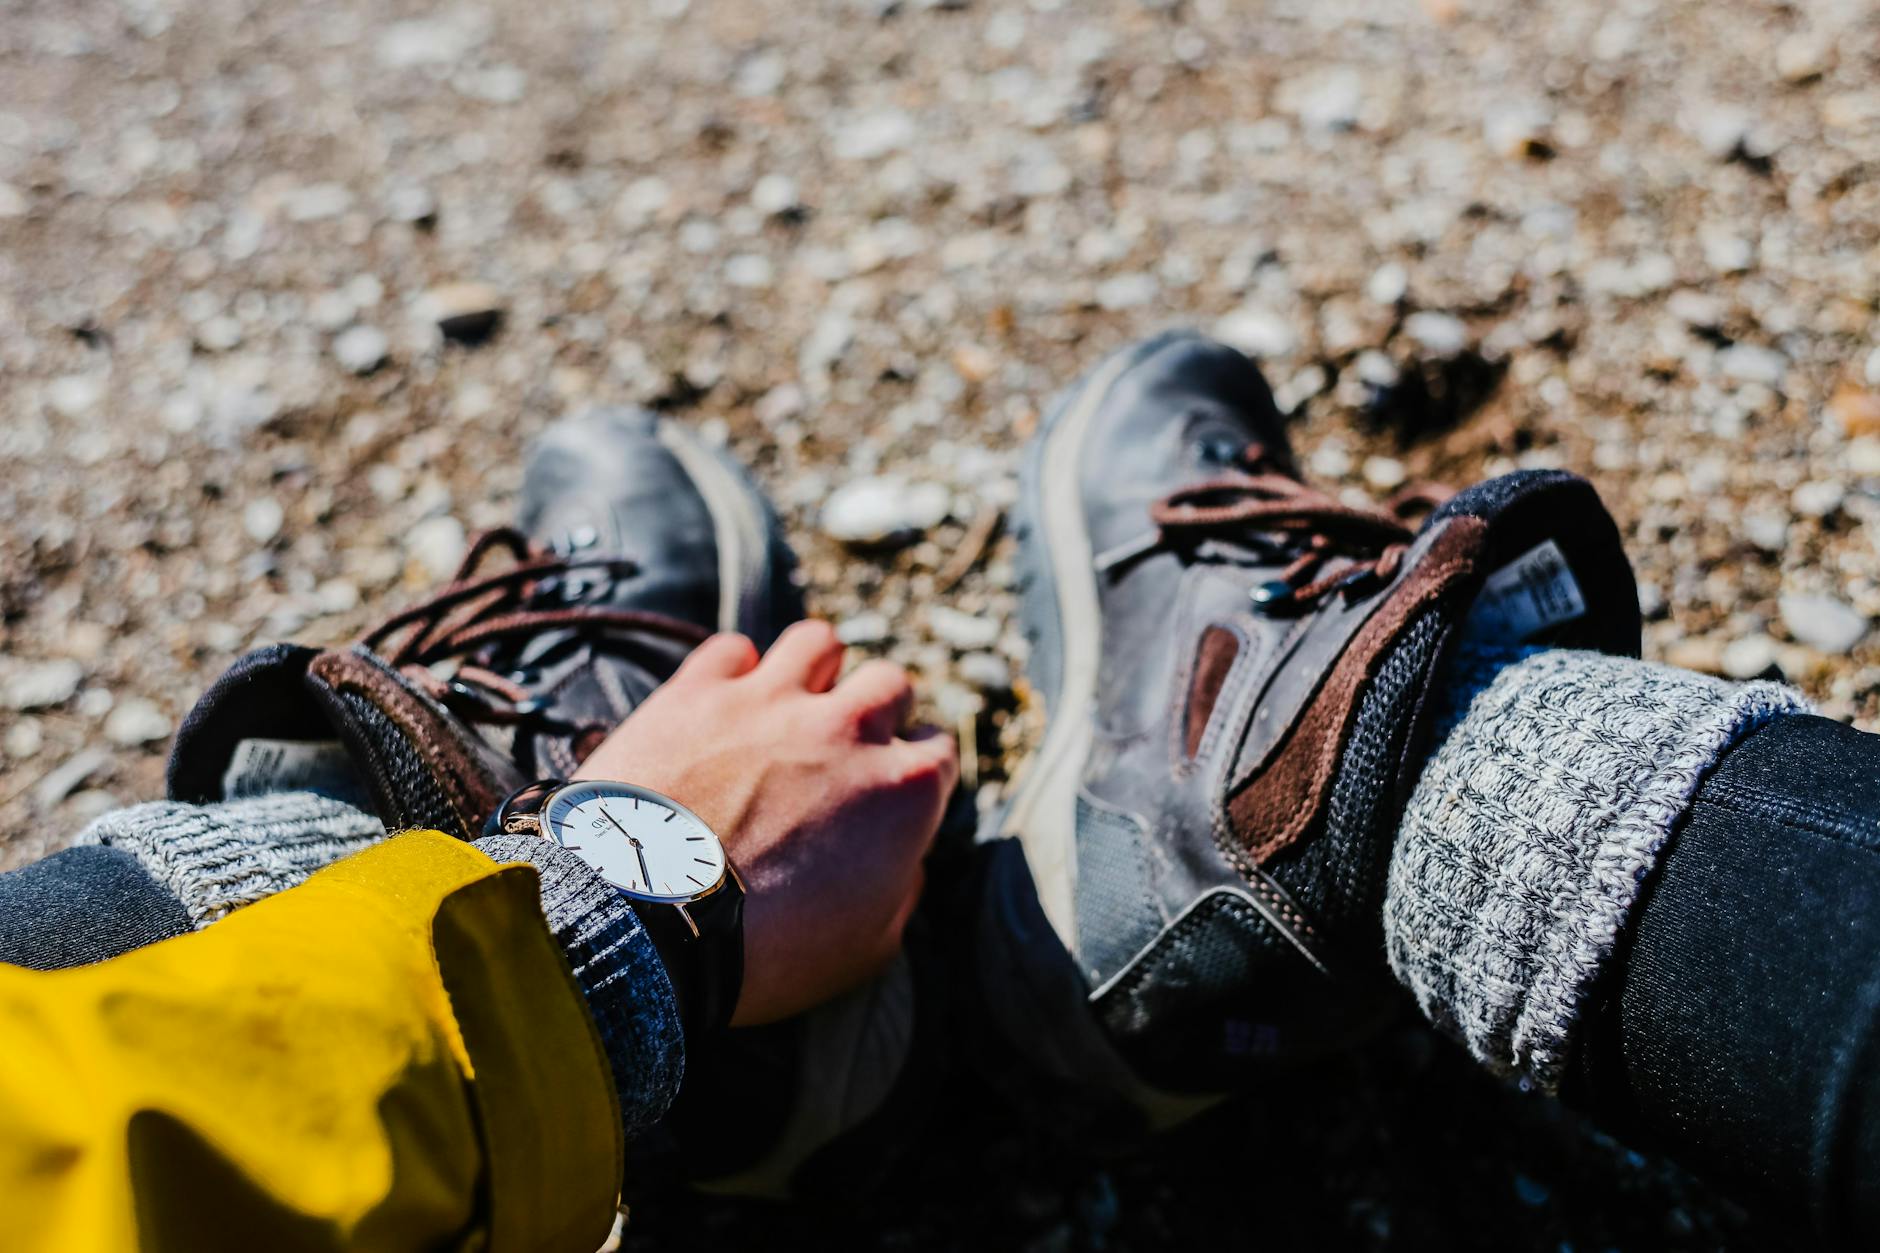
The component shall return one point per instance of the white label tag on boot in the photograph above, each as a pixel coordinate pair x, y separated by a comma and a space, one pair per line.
1531, 593
258, 766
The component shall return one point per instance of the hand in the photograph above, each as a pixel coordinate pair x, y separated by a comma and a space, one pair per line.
824, 806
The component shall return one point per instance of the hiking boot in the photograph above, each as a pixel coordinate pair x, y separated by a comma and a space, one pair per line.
651, 540
637, 541
1186, 883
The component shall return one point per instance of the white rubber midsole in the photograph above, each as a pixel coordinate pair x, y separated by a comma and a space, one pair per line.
1043, 813
739, 528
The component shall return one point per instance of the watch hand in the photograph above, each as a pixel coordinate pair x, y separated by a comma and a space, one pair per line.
617, 825
638, 851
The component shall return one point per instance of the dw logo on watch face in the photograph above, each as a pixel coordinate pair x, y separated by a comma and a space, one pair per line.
645, 844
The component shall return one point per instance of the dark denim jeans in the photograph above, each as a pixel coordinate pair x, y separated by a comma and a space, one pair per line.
1740, 1032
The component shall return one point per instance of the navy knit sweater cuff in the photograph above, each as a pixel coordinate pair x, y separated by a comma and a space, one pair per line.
618, 970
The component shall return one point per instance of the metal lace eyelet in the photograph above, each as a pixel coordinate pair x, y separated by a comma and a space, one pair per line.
1357, 580
571, 541
1272, 594
457, 691
1219, 450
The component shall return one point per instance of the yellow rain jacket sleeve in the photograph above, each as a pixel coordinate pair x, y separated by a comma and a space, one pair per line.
392, 1055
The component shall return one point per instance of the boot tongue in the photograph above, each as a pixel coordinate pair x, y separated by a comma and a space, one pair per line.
258, 728
588, 693
289, 716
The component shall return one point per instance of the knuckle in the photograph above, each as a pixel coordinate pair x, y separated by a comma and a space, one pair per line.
856, 720
813, 630
839, 719
726, 647
884, 680
918, 771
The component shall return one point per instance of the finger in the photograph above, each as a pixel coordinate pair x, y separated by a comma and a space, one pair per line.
807, 655
904, 912
826, 670
723, 656
931, 744
877, 695
925, 767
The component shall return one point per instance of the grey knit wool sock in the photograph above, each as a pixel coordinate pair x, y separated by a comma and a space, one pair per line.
1531, 831
618, 970
217, 858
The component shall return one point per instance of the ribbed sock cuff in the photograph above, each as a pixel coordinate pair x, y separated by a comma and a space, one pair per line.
217, 858
618, 970
1530, 832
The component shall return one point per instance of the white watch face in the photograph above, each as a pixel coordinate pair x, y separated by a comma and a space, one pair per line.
645, 844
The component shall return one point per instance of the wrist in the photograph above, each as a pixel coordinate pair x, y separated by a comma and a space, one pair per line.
698, 992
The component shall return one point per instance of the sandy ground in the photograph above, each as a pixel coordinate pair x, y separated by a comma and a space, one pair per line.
862, 239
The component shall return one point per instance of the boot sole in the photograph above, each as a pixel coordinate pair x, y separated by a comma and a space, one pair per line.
1059, 606
756, 594
1032, 996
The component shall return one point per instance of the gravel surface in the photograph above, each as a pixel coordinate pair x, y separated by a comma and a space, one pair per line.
286, 288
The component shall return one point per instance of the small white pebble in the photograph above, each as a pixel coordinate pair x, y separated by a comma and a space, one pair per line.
1385, 474
962, 630
868, 627
1258, 332
748, 270
361, 349
774, 194
1818, 498
263, 518
25, 738
1388, 284
988, 672
136, 721
1441, 333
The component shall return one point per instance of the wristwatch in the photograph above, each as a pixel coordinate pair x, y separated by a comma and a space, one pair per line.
670, 866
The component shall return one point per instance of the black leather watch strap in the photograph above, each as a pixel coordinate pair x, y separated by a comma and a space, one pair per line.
707, 969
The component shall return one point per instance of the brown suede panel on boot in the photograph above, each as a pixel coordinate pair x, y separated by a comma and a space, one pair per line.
1286, 801
1215, 658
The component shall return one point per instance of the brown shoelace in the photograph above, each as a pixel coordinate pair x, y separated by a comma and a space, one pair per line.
473, 617
1339, 543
